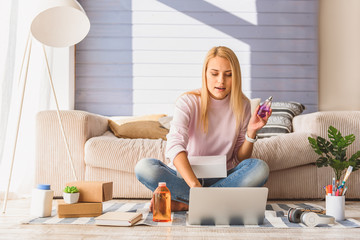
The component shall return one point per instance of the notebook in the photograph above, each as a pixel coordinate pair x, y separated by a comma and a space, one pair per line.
227, 206
208, 166
118, 218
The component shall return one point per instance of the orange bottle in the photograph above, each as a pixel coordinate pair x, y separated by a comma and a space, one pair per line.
162, 203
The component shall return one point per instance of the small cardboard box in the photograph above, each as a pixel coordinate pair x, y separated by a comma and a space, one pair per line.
93, 191
76, 210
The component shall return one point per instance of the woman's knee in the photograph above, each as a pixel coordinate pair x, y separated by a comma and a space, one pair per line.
263, 171
143, 168
259, 172
263, 167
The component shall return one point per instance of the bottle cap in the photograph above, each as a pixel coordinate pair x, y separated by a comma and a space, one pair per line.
43, 186
162, 184
270, 98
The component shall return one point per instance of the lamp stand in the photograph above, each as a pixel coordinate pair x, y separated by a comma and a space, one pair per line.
28, 46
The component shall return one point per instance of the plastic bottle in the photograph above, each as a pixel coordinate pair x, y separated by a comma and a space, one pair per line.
162, 203
41, 202
265, 107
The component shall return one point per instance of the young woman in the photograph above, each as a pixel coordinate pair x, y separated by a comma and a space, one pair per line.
214, 120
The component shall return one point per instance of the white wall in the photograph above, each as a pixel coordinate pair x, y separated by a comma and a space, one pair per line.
141, 55
339, 47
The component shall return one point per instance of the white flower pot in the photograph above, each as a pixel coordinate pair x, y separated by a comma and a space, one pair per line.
71, 198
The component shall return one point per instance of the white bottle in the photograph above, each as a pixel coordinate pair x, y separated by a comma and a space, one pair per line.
41, 202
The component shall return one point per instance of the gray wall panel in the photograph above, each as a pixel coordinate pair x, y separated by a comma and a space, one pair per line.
140, 55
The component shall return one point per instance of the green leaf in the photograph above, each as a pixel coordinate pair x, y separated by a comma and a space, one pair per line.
339, 165
324, 145
334, 135
347, 140
314, 145
355, 161
322, 162
340, 155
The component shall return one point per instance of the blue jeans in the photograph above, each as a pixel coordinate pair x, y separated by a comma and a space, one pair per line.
249, 173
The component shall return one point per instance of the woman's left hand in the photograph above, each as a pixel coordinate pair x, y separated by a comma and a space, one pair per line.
256, 122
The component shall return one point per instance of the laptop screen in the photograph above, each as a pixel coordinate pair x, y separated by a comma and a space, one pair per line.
227, 206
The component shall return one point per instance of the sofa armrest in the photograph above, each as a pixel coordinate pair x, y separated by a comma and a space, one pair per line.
52, 163
285, 151
317, 124
346, 122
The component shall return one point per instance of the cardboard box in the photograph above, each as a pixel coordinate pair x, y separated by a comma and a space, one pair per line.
93, 191
76, 210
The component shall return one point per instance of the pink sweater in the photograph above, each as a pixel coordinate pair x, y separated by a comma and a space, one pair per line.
187, 135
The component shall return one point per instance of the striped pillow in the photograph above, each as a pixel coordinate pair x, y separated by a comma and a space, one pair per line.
280, 121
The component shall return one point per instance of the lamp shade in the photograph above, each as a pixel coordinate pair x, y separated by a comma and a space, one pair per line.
60, 23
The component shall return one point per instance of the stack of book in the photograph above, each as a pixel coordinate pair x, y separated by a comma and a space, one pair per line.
118, 218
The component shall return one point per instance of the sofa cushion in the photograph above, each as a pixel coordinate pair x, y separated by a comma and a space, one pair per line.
285, 151
280, 122
287, 108
165, 121
125, 119
146, 126
139, 129
122, 154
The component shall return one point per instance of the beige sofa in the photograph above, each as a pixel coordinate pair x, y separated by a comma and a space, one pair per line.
99, 155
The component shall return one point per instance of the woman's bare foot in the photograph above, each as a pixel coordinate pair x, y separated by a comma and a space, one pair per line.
175, 206
178, 206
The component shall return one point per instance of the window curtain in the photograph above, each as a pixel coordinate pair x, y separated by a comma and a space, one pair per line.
15, 19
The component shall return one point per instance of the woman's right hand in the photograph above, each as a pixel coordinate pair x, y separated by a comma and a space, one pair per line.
183, 166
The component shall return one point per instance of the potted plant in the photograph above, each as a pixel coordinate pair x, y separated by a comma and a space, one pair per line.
71, 194
333, 153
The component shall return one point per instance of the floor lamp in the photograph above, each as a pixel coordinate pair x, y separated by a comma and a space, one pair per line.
58, 23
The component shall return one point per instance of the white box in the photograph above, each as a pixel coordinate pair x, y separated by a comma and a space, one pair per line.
208, 166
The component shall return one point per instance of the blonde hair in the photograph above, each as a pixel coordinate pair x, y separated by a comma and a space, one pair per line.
237, 97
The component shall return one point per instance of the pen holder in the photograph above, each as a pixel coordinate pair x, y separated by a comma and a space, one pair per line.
335, 206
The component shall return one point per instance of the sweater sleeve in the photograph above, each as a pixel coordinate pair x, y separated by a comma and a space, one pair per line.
178, 136
242, 130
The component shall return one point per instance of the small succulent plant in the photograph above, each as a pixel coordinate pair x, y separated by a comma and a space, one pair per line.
71, 189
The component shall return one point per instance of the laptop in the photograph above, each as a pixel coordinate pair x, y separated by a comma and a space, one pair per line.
227, 206
208, 166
